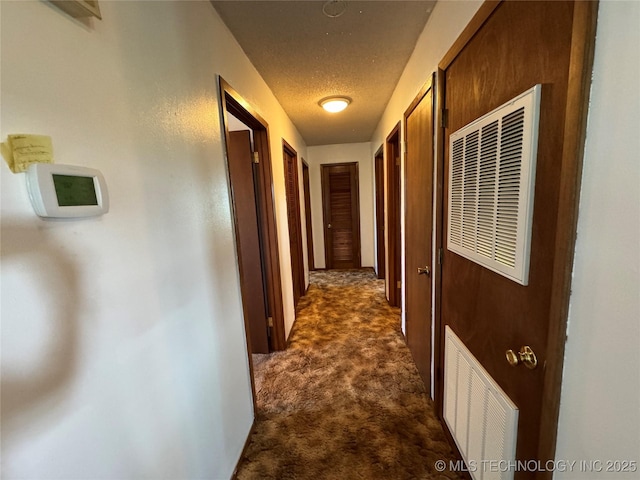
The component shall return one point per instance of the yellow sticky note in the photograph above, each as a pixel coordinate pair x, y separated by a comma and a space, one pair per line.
22, 150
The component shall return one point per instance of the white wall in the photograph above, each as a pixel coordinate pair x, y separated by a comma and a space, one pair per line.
343, 153
446, 22
123, 350
600, 404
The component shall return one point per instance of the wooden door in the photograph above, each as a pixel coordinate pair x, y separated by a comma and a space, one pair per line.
508, 48
380, 248
341, 215
241, 174
307, 213
293, 217
394, 229
419, 229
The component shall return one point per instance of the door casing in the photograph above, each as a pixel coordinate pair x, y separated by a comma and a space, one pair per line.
292, 190
232, 103
380, 213
306, 185
394, 227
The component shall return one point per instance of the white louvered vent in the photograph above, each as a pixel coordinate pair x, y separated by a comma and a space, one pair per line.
492, 169
480, 416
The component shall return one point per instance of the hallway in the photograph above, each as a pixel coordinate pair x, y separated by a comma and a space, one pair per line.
124, 348
345, 400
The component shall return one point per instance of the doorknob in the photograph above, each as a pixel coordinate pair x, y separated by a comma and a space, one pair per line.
524, 356
329, 226
424, 271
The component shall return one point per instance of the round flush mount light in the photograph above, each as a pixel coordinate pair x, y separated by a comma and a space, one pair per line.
334, 104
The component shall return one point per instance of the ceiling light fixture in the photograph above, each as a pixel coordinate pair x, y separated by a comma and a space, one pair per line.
335, 104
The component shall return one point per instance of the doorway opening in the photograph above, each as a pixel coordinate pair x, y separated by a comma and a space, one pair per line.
251, 183
306, 185
394, 272
381, 251
292, 191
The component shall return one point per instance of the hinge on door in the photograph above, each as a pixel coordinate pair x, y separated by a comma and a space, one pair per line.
256, 157
398, 284
440, 255
270, 321
397, 161
444, 118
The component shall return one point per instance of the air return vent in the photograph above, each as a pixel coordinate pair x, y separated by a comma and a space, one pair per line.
480, 416
492, 169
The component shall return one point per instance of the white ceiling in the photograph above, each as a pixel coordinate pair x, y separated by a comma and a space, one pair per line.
305, 56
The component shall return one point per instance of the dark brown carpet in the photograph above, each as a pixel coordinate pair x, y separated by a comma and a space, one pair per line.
345, 400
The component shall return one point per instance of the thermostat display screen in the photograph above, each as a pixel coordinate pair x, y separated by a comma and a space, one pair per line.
66, 191
74, 190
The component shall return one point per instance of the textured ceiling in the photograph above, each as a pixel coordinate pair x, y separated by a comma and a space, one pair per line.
305, 56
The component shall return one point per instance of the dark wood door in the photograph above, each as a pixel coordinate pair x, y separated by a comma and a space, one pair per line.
521, 44
341, 215
306, 185
380, 247
394, 228
419, 229
248, 239
293, 216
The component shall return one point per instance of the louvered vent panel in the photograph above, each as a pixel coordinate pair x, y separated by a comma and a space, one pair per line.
491, 186
487, 190
455, 203
495, 446
480, 416
462, 410
470, 190
509, 187
477, 409
451, 385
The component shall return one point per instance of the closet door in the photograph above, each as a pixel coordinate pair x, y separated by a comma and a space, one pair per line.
341, 215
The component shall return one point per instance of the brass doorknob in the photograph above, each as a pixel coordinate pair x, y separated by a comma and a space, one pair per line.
525, 356
424, 271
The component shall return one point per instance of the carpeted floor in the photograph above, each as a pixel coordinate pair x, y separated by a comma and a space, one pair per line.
345, 400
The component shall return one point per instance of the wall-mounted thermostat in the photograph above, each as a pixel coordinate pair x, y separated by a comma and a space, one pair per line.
66, 191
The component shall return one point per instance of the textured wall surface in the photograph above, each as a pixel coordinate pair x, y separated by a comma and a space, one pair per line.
600, 404
123, 349
446, 22
344, 153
